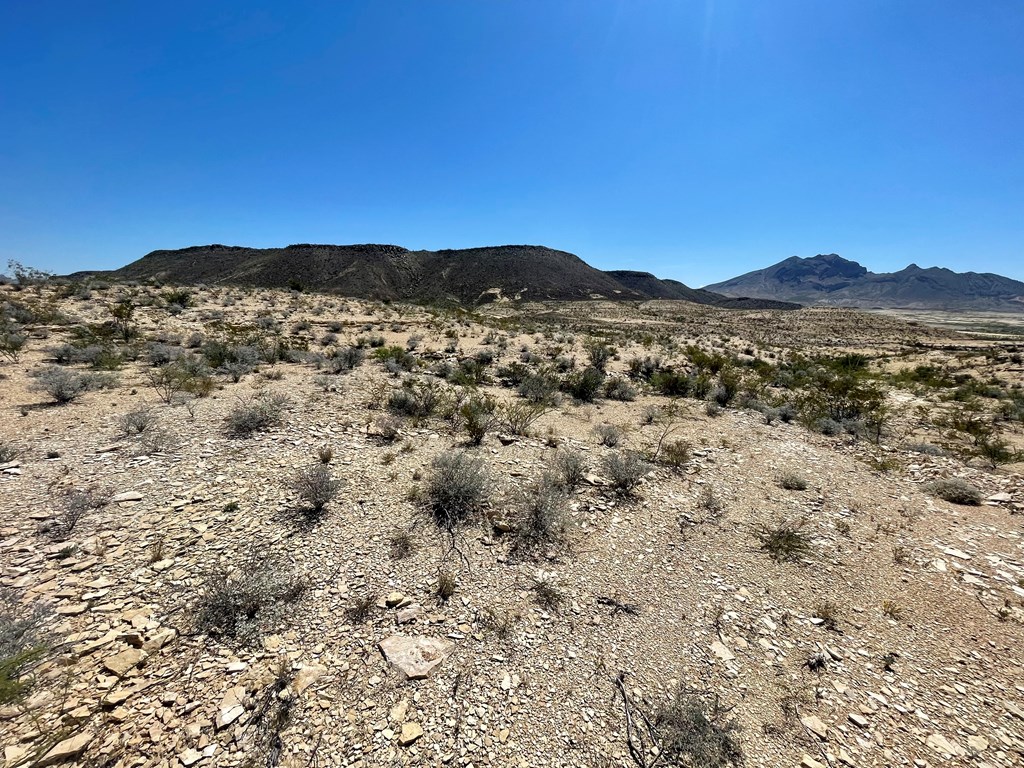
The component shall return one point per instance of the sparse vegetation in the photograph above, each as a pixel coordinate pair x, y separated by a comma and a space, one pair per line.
316, 486
784, 542
256, 414
791, 481
955, 491
456, 489
240, 603
625, 471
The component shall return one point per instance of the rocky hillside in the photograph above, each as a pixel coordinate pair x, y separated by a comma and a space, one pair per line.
832, 280
390, 272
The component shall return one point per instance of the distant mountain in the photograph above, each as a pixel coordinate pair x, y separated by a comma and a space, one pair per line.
390, 272
831, 280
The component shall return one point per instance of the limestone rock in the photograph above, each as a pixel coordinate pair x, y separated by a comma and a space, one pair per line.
410, 733
125, 661
66, 750
417, 656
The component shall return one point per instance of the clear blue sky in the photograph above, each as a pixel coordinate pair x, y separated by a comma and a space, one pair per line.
696, 140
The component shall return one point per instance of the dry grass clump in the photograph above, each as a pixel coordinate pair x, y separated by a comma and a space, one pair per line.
543, 512
243, 602
360, 608
256, 414
571, 468
792, 481
136, 421
784, 542
316, 487
692, 730
955, 491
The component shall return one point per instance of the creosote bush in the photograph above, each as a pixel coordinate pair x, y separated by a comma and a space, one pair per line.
955, 491
316, 487
456, 489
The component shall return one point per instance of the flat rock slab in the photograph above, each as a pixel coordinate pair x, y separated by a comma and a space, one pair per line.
66, 750
126, 496
417, 656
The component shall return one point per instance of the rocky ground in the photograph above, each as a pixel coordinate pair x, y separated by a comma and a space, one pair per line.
895, 639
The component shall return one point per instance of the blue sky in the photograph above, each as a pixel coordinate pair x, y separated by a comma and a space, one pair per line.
696, 140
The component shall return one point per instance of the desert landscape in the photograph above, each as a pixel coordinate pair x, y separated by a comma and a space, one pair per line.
256, 527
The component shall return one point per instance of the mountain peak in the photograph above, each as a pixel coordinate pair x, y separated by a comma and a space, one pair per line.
830, 279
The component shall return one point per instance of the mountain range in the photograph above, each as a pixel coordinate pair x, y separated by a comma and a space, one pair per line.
389, 272
829, 279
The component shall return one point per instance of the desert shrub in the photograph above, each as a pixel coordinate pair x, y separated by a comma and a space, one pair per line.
599, 354
178, 297
136, 421
76, 506
22, 643
618, 388
571, 468
691, 730
608, 435
517, 418
644, 369
955, 491
584, 385
162, 354
388, 428
256, 414
676, 453
543, 512
315, 486
539, 388
670, 383
417, 400
625, 470
12, 342
345, 360
395, 359
185, 374
456, 489
791, 481
156, 440
784, 542
713, 409
7, 451
478, 416
829, 427
926, 449
242, 603
62, 385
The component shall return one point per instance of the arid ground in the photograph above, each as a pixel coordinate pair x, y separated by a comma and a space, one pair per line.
257, 528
